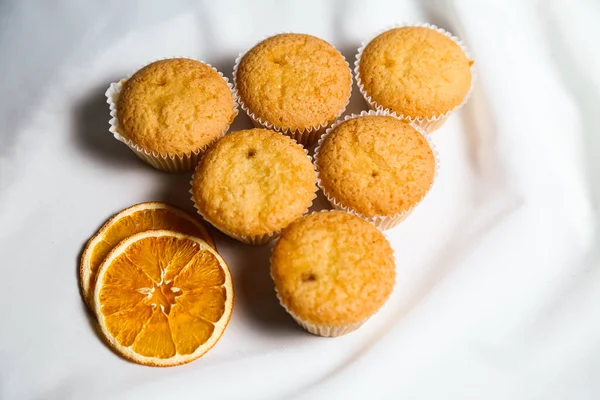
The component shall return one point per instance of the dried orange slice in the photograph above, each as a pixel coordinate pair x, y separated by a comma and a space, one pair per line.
163, 298
132, 220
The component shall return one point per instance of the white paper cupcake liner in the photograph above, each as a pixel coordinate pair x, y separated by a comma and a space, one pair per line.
320, 329
307, 136
383, 222
255, 240
326, 330
165, 162
433, 122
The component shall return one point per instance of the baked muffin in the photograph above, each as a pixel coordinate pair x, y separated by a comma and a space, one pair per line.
253, 183
332, 271
419, 72
171, 110
376, 166
293, 83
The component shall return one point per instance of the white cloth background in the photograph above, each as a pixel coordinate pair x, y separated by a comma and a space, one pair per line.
498, 293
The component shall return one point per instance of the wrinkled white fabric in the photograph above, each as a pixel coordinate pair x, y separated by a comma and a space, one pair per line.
498, 288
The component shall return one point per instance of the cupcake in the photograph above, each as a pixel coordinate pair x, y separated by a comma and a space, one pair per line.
293, 83
253, 183
332, 271
422, 73
170, 111
376, 166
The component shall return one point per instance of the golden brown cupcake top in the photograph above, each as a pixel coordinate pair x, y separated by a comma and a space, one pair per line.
332, 268
415, 71
376, 165
254, 182
175, 106
294, 81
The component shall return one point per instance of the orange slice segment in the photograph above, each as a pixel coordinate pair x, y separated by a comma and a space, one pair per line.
163, 298
135, 219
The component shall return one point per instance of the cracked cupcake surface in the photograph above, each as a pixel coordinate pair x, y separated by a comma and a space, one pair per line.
332, 271
294, 81
253, 182
175, 106
375, 165
415, 71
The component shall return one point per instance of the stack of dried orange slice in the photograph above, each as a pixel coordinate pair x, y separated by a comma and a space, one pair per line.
162, 294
